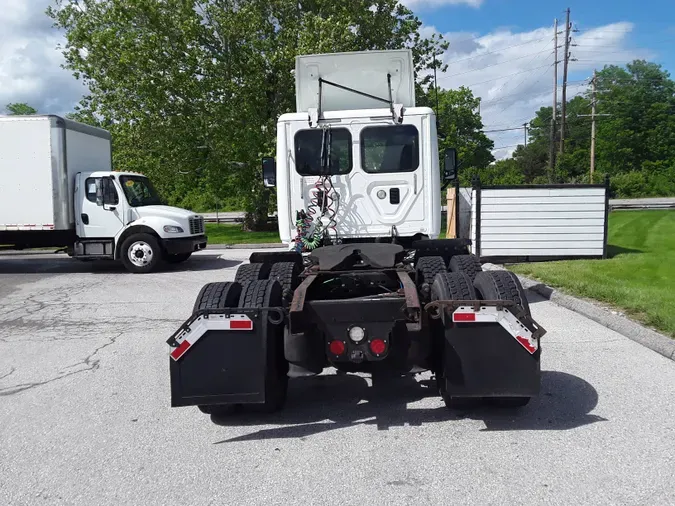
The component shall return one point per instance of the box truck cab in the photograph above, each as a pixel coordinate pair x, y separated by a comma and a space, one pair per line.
60, 190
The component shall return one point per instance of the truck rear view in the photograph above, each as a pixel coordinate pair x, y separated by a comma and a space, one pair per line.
366, 286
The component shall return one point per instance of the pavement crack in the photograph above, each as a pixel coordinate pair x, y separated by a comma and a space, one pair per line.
90, 363
11, 371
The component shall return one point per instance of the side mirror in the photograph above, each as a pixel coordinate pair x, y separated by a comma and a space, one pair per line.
99, 191
109, 193
450, 165
269, 172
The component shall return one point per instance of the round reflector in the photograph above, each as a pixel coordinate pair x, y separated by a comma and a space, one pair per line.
337, 347
377, 346
356, 334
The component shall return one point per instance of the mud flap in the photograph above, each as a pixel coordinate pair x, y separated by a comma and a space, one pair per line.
498, 358
224, 360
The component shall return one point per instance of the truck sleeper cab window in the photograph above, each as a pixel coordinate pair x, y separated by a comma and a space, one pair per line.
389, 149
308, 152
110, 197
139, 191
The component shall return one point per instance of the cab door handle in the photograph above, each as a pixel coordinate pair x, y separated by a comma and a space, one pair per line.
85, 218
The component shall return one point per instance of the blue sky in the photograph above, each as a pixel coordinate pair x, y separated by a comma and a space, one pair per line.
501, 49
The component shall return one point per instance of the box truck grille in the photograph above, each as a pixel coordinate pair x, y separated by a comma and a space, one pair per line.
196, 225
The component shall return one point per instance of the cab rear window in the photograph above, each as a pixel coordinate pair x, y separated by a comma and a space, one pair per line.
392, 148
308, 152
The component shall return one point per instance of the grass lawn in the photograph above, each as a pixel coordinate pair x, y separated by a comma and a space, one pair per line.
639, 276
233, 234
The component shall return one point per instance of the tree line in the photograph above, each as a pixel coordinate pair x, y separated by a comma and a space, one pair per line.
635, 137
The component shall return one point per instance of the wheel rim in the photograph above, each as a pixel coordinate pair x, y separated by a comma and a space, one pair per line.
140, 253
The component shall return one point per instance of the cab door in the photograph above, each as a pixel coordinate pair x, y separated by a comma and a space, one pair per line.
388, 184
94, 218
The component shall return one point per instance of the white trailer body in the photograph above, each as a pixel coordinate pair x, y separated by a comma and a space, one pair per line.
38, 170
58, 189
384, 164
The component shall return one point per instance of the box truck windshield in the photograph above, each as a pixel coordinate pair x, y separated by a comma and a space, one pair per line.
140, 191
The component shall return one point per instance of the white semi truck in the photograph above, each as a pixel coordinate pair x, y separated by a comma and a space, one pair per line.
367, 286
59, 190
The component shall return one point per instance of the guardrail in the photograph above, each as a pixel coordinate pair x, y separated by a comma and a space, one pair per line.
614, 204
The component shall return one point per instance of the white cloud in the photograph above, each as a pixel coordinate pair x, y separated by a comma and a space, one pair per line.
30, 64
513, 71
421, 4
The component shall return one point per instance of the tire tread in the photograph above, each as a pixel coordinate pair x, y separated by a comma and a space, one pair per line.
469, 264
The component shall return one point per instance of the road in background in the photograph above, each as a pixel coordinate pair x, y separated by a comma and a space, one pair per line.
85, 416
649, 203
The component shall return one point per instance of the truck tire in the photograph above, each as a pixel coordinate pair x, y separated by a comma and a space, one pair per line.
469, 264
449, 286
268, 293
428, 267
247, 273
501, 285
140, 253
217, 296
286, 273
177, 258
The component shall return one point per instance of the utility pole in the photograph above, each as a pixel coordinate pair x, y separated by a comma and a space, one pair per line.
568, 27
525, 130
594, 84
551, 158
593, 115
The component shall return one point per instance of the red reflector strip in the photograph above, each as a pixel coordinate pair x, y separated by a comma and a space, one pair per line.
526, 344
182, 348
464, 317
241, 325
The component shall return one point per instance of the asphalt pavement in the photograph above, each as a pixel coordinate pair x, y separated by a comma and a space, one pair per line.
85, 416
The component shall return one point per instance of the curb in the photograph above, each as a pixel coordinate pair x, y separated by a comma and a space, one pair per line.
649, 338
264, 245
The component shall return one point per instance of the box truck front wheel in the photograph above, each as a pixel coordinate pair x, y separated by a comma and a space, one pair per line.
140, 253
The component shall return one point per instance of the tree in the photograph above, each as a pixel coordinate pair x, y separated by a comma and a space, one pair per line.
192, 89
641, 127
460, 126
20, 109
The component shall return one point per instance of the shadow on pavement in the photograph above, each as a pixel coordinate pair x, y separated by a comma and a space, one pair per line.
325, 403
37, 264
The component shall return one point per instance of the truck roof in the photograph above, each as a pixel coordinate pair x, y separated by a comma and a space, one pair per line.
357, 113
60, 122
353, 80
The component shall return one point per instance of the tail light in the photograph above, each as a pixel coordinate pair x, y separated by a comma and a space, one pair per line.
378, 346
336, 347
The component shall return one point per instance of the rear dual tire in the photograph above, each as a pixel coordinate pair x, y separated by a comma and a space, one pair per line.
449, 286
490, 285
254, 294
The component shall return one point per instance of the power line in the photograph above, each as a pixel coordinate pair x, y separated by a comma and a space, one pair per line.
504, 76
497, 50
500, 63
508, 146
502, 130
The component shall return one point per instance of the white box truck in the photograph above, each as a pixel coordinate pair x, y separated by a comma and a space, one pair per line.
59, 190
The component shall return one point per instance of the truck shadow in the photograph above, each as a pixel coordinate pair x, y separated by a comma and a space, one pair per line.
62, 264
332, 402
